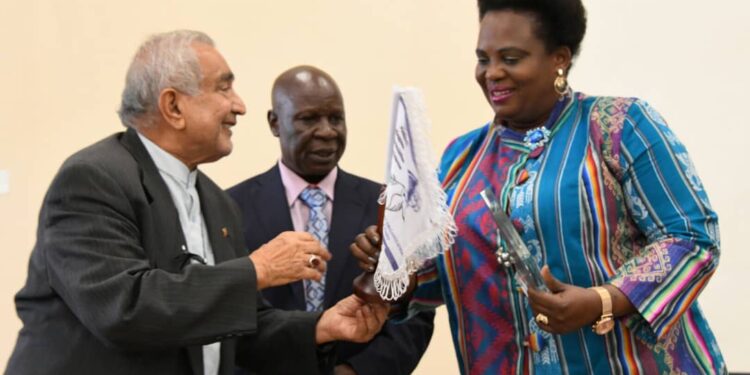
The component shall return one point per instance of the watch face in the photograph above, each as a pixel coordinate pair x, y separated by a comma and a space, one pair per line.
604, 326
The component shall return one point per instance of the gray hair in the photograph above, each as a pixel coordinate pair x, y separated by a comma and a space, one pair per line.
164, 60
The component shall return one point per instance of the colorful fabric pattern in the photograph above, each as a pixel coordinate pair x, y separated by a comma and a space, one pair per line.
611, 198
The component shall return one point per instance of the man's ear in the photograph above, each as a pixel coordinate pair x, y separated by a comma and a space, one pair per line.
169, 107
273, 122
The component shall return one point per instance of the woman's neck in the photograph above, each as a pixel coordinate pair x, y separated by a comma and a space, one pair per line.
537, 121
524, 126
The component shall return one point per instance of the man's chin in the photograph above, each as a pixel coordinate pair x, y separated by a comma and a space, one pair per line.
317, 173
218, 155
226, 149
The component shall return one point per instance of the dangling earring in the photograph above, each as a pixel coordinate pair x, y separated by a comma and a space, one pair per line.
561, 83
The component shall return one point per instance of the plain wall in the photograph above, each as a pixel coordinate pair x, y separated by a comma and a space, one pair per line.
62, 68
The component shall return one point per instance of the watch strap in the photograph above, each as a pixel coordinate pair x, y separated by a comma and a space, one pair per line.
606, 300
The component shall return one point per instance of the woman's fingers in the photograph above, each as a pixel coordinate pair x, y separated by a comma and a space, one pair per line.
372, 235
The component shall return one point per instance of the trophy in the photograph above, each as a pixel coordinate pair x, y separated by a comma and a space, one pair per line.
518, 256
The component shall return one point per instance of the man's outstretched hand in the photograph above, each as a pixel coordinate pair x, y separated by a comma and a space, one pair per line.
351, 319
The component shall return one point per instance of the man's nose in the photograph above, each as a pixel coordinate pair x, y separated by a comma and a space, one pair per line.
238, 106
325, 129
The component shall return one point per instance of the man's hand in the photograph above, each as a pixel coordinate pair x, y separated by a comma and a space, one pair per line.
351, 319
289, 257
365, 248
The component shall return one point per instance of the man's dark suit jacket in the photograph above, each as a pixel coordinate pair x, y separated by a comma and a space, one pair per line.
265, 213
110, 290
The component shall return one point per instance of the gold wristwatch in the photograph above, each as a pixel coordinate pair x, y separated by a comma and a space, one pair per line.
606, 322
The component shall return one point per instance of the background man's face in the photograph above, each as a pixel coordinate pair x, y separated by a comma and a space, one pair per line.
311, 127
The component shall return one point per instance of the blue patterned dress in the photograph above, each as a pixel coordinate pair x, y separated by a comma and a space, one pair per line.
611, 198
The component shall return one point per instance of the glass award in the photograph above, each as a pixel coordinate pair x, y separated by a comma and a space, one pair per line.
526, 268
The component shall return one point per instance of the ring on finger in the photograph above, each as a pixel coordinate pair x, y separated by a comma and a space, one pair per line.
313, 261
542, 319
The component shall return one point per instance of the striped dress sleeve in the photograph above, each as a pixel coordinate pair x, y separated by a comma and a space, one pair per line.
666, 200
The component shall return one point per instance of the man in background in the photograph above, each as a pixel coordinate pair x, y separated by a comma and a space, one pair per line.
140, 266
306, 191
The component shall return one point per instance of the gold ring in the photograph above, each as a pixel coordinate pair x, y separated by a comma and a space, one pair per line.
313, 261
542, 319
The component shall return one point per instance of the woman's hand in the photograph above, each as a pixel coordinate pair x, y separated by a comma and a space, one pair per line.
365, 248
567, 307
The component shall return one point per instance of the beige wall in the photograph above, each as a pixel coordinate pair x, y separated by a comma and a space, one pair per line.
62, 66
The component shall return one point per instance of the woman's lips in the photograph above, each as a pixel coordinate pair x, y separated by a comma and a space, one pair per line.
499, 96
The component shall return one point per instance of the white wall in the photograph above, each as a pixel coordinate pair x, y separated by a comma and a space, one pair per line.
62, 68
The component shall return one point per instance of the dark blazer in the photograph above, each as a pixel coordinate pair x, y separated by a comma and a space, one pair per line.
265, 213
110, 290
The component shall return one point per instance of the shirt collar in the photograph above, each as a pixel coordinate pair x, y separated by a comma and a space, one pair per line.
294, 184
168, 164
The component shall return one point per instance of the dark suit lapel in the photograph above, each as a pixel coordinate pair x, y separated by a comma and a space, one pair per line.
228, 353
216, 221
166, 237
273, 209
195, 354
273, 216
348, 210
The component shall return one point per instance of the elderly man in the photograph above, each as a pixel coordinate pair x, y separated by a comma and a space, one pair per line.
140, 265
306, 191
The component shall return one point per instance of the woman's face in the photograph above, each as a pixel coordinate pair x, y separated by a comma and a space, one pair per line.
515, 71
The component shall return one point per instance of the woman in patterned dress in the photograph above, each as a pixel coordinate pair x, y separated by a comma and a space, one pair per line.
602, 193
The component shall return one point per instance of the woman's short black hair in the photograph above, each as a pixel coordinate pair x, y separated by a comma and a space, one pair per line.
560, 22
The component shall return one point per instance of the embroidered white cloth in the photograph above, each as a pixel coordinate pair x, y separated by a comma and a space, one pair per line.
417, 225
